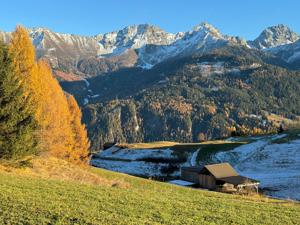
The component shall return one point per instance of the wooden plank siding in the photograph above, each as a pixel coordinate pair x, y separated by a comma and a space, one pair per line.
207, 181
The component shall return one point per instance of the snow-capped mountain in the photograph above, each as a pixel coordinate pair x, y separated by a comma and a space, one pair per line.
154, 45
151, 44
146, 45
280, 41
133, 37
275, 36
62, 50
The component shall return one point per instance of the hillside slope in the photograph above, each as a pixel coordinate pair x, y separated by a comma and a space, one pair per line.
34, 200
191, 99
273, 160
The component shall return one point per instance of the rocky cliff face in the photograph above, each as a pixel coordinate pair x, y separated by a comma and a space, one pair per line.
275, 36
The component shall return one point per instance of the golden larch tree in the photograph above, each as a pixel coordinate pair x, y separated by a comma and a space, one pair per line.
53, 114
58, 122
82, 144
23, 55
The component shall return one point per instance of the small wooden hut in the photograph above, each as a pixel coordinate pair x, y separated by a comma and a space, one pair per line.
191, 173
220, 176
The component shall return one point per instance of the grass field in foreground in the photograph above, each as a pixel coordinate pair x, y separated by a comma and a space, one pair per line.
32, 199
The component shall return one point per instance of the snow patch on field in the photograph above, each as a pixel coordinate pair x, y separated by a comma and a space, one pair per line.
181, 182
193, 160
139, 168
140, 162
276, 166
136, 154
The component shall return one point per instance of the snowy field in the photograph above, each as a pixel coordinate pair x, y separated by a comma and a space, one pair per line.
138, 168
136, 161
276, 166
136, 154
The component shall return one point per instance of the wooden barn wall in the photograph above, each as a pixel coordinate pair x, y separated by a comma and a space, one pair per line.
207, 181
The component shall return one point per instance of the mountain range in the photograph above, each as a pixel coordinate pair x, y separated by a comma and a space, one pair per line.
142, 83
146, 45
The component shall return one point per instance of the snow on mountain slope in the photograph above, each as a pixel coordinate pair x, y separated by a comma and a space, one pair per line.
275, 36
145, 45
154, 45
61, 50
151, 43
133, 37
276, 166
289, 52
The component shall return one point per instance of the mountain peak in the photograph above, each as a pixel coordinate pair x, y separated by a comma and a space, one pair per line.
38, 29
275, 36
207, 27
133, 37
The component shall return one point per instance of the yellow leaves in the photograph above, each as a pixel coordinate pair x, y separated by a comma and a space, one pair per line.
81, 144
60, 130
62, 133
211, 109
53, 114
23, 53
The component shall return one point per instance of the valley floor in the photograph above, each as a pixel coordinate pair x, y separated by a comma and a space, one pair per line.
57, 198
273, 160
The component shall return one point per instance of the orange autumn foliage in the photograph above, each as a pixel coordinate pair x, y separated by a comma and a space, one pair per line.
60, 131
80, 135
53, 115
23, 56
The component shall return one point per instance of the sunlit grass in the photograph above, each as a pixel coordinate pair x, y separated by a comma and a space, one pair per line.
31, 199
57, 169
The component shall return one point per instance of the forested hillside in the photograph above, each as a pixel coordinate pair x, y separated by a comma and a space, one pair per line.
231, 91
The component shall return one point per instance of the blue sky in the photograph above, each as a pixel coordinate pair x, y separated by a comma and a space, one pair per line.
246, 18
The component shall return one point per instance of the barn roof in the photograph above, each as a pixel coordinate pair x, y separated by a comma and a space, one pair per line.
221, 170
236, 180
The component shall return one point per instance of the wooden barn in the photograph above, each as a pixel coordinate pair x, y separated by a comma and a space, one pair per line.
220, 176
191, 173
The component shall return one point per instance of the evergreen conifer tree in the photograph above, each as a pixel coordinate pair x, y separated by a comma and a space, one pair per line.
17, 123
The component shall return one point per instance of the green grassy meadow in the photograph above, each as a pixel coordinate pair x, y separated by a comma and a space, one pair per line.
35, 200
